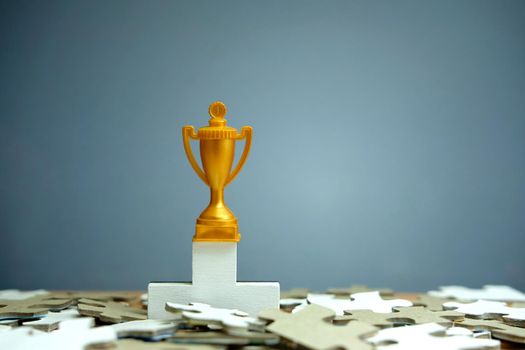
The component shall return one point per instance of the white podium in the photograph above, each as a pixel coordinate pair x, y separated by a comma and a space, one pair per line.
214, 275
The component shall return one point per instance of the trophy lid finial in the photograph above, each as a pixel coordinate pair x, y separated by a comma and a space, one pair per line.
217, 111
217, 128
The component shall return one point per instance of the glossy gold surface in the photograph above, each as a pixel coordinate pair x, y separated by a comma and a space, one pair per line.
217, 151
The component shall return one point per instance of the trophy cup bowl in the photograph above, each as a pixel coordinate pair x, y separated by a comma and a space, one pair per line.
217, 151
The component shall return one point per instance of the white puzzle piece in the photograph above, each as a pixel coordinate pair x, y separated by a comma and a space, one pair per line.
488, 292
145, 328
144, 299
15, 294
77, 334
9, 322
477, 333
487, 310
232, 320
428, 336
51, 320
459, 331
358, 301
74, 334
20, 338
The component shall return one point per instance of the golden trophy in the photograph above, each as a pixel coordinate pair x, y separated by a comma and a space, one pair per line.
214, 246
217, 150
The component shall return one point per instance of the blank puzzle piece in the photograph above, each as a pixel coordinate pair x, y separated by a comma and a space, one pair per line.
359, 301
295, 304
96, 295
74, 334
110, 311
15, 294
148, 329
459, 331
36, 305
51, 320
19, 338
498, 329
359, 289
406, 315
131, 344
487, 310
488, 292
233, 321
311, 327
294, 298
9, 322
428, 336
432, 303
296, 293
221, 338
144, 299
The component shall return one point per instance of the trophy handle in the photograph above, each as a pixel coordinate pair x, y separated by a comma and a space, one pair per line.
188, 132
246, 133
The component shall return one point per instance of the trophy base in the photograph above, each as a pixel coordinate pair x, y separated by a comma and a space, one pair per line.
214, 282
209, 233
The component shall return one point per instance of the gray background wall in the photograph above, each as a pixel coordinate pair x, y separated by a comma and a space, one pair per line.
389, 140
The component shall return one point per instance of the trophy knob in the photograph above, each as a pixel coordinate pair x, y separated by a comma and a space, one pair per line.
217, 110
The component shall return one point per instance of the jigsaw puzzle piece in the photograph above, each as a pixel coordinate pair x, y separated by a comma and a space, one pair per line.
359, 301
152, 330
292, 304
51, 320
312, 328
220, 338
132, 344
15, 294
488, 292
428, 336
294, 299
9, 322
402, 316
75, 334
487, 310
358, 288
232, 320
29, 307
432, 303
20, 338
125, 296
110, 311
498, 329
296, 293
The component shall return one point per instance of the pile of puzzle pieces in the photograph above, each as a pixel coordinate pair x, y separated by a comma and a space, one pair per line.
354, 318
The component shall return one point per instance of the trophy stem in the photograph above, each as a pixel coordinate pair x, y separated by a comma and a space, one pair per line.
216, 223
217, 197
